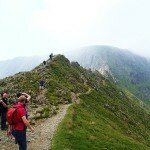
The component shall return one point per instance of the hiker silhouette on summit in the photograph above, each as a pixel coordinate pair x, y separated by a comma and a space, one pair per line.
51, 56
44, 62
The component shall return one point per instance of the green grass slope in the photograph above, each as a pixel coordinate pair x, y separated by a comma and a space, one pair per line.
60, 75
62, 78
129, 70
106, 118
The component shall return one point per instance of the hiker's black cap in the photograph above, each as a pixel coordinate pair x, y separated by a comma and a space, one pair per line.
18, 94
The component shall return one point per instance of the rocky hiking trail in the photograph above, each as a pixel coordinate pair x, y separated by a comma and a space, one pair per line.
41, 138
44, 129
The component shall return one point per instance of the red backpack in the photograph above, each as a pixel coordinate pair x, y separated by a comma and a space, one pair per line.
10, 115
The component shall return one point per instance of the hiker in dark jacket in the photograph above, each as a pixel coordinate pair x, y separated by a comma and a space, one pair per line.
3, 109
41, 85
19, 128
44, 62
51, 56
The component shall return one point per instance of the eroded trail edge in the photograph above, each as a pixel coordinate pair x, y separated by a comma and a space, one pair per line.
42, 137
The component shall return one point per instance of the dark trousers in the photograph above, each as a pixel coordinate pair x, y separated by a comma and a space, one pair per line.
20, 137
3, 120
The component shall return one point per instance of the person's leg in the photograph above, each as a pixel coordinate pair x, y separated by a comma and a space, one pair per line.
0, 118
40, 89
20, 137
3, 121
23, 141
13, 134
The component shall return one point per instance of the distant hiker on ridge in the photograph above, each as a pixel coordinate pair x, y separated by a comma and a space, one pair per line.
44, 62
51, 56
41, 84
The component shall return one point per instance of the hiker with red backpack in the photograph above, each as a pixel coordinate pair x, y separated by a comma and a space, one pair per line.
17, 120
3, 109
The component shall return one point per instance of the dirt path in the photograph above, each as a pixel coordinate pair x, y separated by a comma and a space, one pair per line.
44, 130
41, 139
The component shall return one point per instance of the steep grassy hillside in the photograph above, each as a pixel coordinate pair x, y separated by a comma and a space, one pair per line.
62, 79
127, 69
105, 119
91, 125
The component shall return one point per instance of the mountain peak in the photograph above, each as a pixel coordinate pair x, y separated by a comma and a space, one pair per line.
125, 68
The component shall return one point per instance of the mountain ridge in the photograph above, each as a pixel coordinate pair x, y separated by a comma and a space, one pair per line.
129, 70
102, 107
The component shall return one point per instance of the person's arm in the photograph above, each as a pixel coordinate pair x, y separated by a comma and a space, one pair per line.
5, 105
26, 122
28, 96
9, 130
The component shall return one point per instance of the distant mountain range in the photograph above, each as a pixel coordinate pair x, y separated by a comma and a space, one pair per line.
12, 66
123, 67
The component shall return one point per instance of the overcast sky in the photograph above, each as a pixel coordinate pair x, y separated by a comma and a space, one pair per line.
32, 27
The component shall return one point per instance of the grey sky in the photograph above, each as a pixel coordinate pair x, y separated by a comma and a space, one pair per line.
32, 27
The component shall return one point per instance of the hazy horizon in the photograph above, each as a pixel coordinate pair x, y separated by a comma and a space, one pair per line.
46, 55
35, 27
